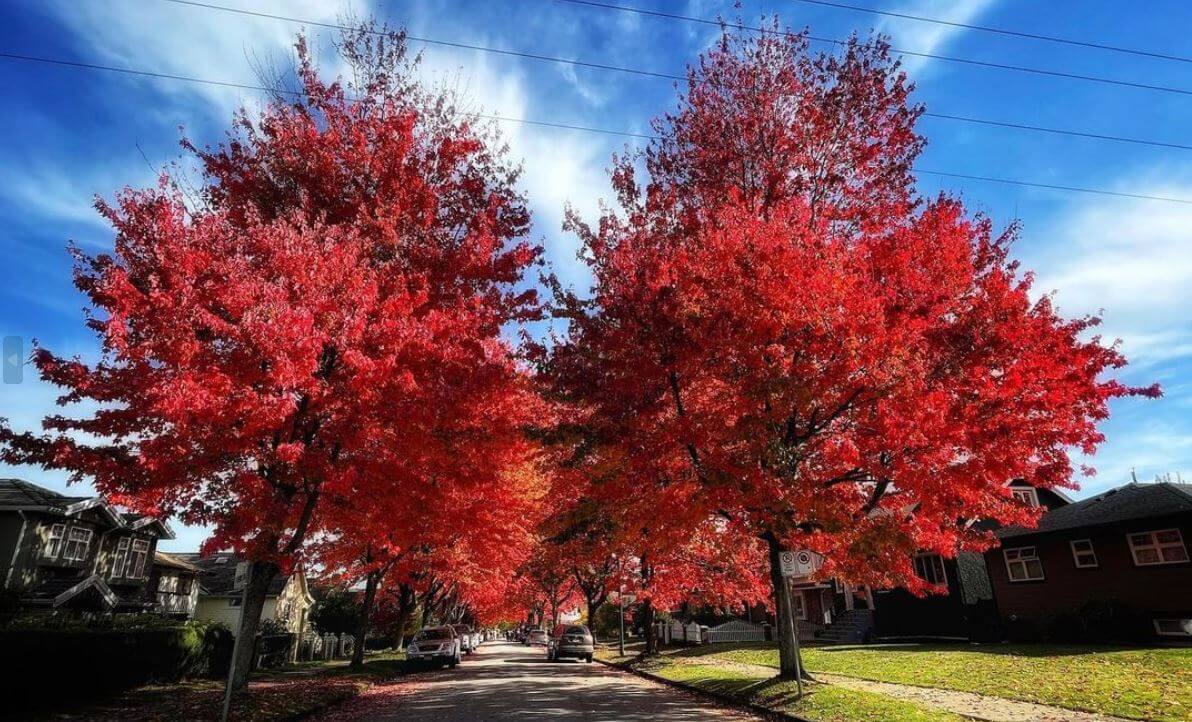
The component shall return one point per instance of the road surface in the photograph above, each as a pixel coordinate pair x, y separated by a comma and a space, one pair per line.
503, 681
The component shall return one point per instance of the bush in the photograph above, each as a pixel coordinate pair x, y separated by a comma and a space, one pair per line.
75, 662
1099, 620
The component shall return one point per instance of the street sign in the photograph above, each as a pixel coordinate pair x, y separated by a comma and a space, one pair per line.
798, 563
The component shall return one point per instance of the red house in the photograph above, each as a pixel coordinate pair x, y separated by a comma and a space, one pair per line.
1114, 566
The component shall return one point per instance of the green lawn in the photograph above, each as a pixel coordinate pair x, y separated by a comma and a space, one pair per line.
1150, 684
820, 703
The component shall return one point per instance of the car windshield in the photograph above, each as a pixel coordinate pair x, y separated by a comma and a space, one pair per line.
438, 633
460, 628
538, 633
576, 630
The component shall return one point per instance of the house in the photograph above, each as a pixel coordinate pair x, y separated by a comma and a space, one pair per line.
222, 577
1125, 549
75, 553
968, 609
175, 583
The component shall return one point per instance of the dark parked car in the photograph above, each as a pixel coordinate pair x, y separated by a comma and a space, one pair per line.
570, 640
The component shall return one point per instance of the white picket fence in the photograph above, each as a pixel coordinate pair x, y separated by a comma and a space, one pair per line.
734, 631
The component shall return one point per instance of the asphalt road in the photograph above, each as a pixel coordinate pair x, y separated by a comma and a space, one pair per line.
503, 681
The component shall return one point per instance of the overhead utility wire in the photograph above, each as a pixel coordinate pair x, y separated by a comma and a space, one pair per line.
1002, 31
834, 41
549, 124
638, 71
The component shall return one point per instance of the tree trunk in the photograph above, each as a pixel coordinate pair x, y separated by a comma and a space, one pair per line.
405, 610
789, 663
651, 631
261, 576
362, 626
593, 605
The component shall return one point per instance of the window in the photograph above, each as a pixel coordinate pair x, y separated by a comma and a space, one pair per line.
1083, 554
1027, 496
167, 583
235, 601
136, 560
800, 605
1023, 565
930, 568
1173, 627
121, 556
78, 543
54, 543
184, 585
1151, 548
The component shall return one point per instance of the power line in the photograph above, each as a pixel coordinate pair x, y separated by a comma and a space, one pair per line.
638, 71
1002, 31
834, 41
551, 124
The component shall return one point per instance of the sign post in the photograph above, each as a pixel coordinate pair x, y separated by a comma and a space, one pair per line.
794, 564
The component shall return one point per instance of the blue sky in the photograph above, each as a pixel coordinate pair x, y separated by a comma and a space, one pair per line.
68, 134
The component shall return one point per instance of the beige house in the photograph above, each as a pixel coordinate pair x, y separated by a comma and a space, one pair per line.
221, 591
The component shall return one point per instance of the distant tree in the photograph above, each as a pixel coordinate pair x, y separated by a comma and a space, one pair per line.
338, 612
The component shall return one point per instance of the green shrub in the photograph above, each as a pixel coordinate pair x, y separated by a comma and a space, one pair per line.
78, 662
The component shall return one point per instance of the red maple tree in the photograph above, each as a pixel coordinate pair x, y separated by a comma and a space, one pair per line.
784, 336
318, 326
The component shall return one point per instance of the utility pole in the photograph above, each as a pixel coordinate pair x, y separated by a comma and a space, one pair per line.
621, 601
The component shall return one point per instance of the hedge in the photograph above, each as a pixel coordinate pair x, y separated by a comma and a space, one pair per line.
74, 663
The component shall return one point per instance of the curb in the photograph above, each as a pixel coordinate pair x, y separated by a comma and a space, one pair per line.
724, 700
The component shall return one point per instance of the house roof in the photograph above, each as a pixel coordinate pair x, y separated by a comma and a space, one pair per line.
21, 495
170, 561
217, 573
1125, 503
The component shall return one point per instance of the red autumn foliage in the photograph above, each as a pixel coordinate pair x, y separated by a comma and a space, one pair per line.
317, 331
785, 336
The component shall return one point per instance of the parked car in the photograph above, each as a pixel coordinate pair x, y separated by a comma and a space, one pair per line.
537, 638
570, 640
465, 634
437, 645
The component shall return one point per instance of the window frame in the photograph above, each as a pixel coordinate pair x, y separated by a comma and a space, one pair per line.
83, 544
1031, 493
799, 600
1156, 546
1019, 559
1092, 551
54, 542
936, 559
138, 550
120, 558
1158, 624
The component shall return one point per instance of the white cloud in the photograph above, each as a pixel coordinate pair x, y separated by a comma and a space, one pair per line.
923, 37
197, 42
1132, 258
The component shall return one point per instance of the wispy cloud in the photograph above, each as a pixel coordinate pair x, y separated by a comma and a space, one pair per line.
924, 37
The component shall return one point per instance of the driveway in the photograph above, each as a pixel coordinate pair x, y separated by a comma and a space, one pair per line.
510, 682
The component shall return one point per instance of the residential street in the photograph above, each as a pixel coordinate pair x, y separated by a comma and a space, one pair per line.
505, 681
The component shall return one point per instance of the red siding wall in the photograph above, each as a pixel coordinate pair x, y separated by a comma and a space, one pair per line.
1158, 590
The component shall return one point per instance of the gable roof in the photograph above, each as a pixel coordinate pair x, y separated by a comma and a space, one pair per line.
217, 574
171, 561
1125, 503
21, 495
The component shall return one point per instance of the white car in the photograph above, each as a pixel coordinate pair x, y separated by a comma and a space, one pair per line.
436, 645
